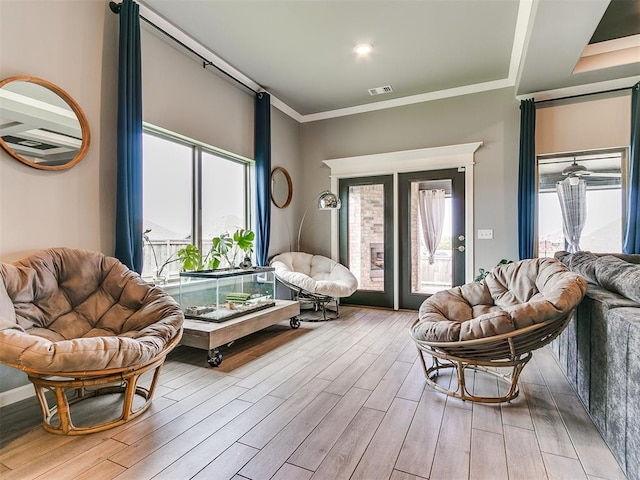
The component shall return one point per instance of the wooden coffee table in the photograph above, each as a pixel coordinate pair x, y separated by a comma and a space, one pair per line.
211, 336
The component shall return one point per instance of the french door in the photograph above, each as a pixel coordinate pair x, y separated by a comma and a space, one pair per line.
431, 211
366, 238
425, 215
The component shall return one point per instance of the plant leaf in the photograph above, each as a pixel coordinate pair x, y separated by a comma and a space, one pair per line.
190, 257
244, 239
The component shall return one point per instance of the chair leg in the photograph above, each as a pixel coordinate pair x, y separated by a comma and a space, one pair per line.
462, 387
129, 397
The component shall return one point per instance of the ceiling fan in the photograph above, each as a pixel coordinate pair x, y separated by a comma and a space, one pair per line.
576, 170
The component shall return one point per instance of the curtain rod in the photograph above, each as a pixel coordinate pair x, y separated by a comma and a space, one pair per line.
537, 102
115, 8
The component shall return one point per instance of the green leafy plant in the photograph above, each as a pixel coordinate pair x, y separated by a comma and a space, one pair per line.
190, 258
483, 273
224, 248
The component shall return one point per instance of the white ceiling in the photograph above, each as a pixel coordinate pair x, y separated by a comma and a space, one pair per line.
301, 51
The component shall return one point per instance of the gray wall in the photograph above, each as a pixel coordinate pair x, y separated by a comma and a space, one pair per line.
285, 152
181, 96
491, 117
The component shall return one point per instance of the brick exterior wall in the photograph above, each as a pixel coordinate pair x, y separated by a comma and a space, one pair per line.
366, 235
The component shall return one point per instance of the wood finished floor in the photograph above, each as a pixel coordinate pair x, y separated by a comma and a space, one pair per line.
344, 399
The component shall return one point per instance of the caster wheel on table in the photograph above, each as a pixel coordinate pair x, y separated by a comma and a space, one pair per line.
215, 359
294, 322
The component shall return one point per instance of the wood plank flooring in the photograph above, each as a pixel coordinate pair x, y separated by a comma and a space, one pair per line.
344, 399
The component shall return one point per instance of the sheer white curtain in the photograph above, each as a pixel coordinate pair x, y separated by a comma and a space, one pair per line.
431, 203
573, 203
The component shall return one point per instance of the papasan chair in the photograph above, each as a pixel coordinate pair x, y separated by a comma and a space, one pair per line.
315, 279
483, 326
80, 325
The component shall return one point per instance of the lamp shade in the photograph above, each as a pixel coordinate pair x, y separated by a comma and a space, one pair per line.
328, 201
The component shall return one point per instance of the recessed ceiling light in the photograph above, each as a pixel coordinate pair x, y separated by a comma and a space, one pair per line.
363, 48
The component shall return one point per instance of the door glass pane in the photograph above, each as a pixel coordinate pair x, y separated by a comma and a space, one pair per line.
431, 230
366, 235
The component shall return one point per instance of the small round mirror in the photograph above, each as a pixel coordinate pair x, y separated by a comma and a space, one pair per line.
281, 187
41, 125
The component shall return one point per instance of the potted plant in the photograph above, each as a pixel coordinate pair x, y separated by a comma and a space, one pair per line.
226, 249
233, 250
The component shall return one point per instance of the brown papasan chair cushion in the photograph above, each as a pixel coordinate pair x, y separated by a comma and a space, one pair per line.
68, 310
511, 297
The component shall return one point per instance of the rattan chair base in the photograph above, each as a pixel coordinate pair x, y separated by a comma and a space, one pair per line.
70, 391
461, 367
510, 350
70, 388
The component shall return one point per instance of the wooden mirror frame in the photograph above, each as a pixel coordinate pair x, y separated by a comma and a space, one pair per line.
82, 119
289, 186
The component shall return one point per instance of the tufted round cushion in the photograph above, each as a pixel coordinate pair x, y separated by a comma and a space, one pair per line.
315, 274
68, 310
511, 297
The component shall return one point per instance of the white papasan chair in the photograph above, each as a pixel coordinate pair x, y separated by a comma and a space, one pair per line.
315, 279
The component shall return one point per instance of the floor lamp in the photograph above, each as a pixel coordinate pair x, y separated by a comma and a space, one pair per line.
326, 201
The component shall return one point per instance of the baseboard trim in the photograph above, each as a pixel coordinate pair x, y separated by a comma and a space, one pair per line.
17, 394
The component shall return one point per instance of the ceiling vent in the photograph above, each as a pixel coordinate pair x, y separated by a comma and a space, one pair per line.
380, 90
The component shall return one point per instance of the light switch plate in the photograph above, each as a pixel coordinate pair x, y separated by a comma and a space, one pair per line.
486, 234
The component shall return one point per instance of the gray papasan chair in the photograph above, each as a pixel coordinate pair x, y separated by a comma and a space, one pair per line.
517, 308
81, 323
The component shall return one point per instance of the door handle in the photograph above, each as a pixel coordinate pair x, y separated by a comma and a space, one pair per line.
461, 248
461, 238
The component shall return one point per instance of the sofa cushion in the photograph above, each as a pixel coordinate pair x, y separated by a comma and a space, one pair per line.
619, 276
583, 263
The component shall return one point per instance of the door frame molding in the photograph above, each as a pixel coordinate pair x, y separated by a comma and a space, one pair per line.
404, 161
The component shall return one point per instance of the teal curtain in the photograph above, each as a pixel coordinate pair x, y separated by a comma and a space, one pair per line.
263, 176
129, 141
631, 242
527, 180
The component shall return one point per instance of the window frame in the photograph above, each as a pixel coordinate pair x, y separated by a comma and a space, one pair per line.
197, 149
624, 192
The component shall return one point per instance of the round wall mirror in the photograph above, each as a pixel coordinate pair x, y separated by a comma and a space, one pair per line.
41, 125
281, 187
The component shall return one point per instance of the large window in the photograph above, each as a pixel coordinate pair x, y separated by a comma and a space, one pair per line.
192, 192
589, 187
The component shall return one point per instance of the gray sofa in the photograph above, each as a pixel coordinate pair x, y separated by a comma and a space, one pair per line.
600, 350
